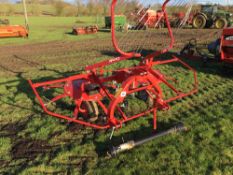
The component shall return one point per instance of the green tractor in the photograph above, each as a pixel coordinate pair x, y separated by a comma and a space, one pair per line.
211, 15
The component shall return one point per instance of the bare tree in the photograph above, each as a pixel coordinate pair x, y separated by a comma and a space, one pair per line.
59, 7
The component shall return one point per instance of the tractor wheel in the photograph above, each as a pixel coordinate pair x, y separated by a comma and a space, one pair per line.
199, 22
220, 23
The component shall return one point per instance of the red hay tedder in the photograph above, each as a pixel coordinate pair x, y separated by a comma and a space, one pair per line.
98, 96
85, 30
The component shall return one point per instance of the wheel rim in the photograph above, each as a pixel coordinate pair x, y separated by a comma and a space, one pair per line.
219, 24
198, 22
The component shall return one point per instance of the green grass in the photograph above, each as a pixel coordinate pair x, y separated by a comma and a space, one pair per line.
205, 149
45, 29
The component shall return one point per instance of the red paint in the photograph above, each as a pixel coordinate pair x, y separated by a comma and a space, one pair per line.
13, 31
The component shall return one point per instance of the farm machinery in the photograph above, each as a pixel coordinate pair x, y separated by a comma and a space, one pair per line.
221, 49
85, 30
147, 18
98, 98
8, 31
210, 16
13, 31
152, 18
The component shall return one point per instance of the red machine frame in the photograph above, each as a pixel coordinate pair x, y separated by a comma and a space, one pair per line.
131, 80
226, 45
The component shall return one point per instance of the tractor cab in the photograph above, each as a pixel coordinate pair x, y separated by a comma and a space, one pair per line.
226, 47
209, 9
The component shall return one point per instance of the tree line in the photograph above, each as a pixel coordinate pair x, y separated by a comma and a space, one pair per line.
63, 8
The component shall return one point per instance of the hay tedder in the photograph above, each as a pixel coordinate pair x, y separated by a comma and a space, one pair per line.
98, 97
8, 31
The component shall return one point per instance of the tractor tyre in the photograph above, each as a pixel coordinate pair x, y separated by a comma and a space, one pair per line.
199, 22
220, 23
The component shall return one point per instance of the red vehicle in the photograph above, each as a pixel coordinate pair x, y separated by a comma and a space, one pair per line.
226, 45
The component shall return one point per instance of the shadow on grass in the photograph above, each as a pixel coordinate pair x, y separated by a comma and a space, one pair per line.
104, 30
23, 86
70, 33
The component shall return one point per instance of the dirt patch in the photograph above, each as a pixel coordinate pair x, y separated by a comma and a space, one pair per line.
29, 149
18, 58
11, 129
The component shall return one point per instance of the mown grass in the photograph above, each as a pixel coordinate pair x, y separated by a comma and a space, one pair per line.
39, 144
44, 29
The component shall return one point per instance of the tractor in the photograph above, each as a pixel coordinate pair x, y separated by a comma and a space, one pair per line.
211, 15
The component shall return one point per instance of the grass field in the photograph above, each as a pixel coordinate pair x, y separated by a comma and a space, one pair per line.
32, 142
44, 29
